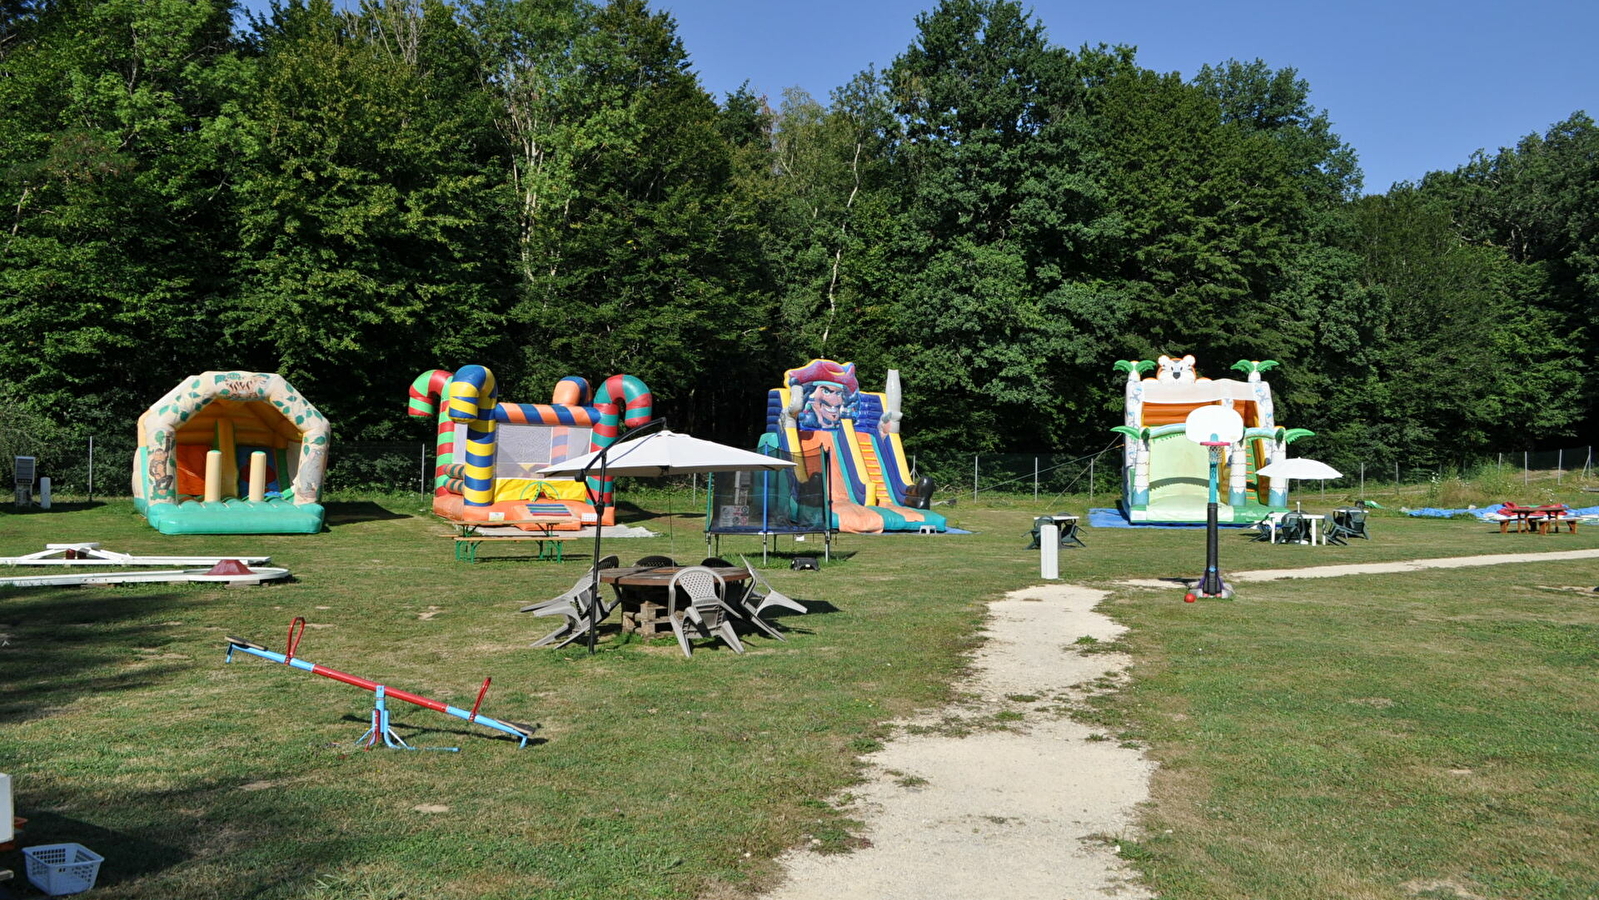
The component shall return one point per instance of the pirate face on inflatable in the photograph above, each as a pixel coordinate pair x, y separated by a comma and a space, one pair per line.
829, 390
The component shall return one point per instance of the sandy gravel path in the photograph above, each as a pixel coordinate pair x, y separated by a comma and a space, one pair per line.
1015, 812
1413, 565
1032, 809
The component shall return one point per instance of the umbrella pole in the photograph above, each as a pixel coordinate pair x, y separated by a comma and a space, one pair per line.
604, 460
599, 527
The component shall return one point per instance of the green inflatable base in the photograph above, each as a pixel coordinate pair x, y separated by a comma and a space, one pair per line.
1171, 513
233, 516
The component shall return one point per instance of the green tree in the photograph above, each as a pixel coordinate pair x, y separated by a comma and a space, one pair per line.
1258, 100
1458, 351
1538, 203
833, 221
650, 264
113, 258
1210, 214
1002, 226
369, 193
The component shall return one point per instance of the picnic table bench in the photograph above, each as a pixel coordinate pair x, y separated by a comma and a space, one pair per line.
541, 528
466, 545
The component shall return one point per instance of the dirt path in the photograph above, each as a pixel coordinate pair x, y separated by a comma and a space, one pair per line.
957, 807
1012, 812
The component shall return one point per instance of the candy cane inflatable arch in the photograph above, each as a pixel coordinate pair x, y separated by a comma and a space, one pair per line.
471, 397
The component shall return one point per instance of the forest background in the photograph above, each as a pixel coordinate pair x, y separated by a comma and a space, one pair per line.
351, 197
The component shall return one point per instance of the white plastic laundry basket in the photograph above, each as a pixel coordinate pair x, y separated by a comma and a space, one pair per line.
60, 869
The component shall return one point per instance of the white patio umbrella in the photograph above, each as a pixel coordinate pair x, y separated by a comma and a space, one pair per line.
662, 452
1299, 468
665, 453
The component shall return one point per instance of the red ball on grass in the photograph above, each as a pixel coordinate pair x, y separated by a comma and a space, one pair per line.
1189, 598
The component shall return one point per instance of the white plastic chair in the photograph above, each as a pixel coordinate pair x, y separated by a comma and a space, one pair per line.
575, 605
706, 611
761, 596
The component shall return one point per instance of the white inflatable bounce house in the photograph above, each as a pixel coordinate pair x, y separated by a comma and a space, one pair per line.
1166, 477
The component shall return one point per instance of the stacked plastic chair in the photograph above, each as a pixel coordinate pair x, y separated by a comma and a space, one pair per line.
706, 611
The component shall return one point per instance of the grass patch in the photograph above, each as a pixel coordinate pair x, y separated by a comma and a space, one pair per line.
1426, 734
1338, 738
124, 730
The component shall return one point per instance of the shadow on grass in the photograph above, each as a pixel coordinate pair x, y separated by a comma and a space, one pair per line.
350, 513
56, 508
218, 839
784, 559
413, 734
127, 855
55, 639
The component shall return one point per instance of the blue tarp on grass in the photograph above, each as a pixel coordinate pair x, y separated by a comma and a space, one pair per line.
1113, 518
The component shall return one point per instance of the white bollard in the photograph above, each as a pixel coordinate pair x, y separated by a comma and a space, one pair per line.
7, 810
44, 493
1049, 550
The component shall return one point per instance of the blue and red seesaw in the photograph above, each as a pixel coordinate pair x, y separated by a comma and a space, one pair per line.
380, 713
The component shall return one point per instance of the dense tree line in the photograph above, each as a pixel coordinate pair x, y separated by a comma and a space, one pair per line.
543, 187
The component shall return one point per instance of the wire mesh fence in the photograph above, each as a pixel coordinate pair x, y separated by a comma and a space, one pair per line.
1044, 475
104, 469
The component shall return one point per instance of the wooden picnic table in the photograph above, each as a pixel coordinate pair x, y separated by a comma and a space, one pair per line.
1536, 518
543, 530
641, 591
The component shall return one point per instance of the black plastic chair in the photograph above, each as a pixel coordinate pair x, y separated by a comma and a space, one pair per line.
1293, 528
715, 562
1347, 523
656, 562
1068, 531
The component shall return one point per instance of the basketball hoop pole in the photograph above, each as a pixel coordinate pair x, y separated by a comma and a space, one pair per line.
1213, 427
1211, 585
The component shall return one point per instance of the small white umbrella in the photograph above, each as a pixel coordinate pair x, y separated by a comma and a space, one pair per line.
1300, 468
662, 452
665, 453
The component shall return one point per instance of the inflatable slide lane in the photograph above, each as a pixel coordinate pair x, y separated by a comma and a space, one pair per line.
821, 417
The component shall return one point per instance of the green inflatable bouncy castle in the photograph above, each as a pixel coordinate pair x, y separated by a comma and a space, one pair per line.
231, 453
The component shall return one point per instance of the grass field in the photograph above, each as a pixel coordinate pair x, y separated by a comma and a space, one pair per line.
1420, 735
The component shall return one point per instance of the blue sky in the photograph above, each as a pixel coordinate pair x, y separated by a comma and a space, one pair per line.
1413, 85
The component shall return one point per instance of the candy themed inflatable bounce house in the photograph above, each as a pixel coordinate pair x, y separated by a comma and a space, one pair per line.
820, 418
231, 453
490, 451
1166, 477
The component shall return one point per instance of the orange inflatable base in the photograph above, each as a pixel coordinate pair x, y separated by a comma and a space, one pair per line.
453, 507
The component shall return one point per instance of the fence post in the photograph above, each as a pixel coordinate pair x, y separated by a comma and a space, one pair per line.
91, 468
1362, 481
974, 476
1035, 479
1396, 474
1091, 479
1560, 466
1525, 476
423, 456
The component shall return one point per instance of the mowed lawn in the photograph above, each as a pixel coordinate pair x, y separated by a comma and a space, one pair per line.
1415, 735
